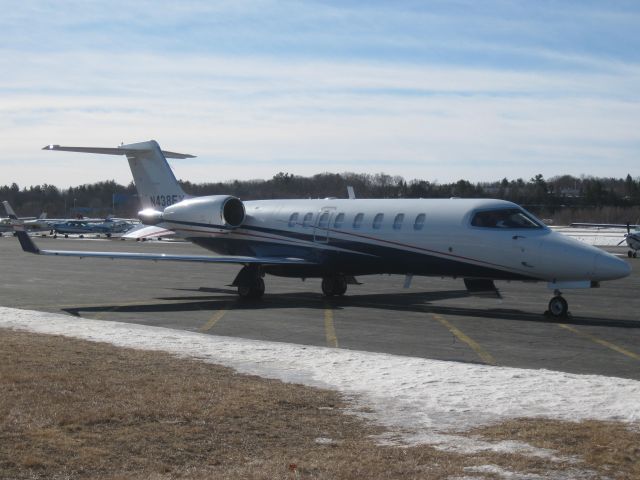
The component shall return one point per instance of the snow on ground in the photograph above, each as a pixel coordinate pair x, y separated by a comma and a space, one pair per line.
420, 400
600, 237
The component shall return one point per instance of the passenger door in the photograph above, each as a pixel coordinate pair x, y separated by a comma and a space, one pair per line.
323, 222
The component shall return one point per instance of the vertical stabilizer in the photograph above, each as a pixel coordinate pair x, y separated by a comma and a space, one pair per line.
156, 184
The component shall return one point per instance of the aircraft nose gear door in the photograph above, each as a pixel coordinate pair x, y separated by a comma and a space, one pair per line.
321, 229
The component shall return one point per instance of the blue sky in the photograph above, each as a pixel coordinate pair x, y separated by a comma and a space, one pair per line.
439, 90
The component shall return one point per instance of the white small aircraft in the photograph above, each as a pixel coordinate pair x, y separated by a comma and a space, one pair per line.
34, 224
633, 241
478, 240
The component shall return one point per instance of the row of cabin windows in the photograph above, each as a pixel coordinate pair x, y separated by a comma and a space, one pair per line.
338, 221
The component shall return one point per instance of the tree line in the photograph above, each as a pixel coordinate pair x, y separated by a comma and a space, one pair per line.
562, 199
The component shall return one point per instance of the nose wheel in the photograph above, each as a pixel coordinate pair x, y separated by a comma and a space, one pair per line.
558, 306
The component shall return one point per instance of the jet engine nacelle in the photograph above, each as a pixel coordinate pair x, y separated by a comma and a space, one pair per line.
217, 210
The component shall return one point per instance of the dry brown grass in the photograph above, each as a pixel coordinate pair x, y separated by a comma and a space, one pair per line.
75, 409
610, 448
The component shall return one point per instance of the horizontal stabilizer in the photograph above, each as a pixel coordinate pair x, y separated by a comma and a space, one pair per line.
113, 151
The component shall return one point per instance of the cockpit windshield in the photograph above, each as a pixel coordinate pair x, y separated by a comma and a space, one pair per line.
505, 218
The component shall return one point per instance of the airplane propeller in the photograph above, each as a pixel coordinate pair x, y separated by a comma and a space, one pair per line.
625, 235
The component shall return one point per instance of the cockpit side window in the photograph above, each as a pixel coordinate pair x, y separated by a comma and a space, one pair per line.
504, 218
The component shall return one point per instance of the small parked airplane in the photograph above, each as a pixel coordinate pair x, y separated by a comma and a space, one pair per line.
479, 240
34, 224
633, 241
105, 227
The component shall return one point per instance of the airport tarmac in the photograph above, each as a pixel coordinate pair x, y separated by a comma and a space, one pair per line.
434, 319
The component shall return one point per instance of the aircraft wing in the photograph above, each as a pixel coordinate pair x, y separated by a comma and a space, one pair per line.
28, 245
602, 225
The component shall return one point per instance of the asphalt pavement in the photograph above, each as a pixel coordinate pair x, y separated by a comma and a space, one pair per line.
435, 318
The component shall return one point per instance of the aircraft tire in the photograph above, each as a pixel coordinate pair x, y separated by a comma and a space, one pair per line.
336, 285
629, 254
635, 254
328, 286
341, 285
252, 291
558, 307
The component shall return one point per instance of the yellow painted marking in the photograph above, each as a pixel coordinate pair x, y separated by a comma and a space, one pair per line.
599, 341
329, 329
481, 352
214, 319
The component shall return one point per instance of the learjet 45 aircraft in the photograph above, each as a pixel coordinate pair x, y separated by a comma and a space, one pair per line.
478, 240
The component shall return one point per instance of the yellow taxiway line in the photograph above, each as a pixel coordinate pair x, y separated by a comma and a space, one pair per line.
599, 341
481, 352
329, 329
214, 319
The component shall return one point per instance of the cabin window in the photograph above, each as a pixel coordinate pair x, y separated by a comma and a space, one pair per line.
308, 218
323, 221
357, 221
338, 221
293, 219
504, 218
377, 220
419, 223
397, 222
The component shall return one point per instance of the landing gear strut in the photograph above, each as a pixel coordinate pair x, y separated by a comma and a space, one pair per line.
558, 306
336, 285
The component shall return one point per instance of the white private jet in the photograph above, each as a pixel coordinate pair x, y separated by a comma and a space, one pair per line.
479, 240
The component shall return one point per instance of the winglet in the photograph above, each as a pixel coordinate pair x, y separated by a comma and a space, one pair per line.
25, 240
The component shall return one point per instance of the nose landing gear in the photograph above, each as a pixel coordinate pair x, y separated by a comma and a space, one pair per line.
558, 306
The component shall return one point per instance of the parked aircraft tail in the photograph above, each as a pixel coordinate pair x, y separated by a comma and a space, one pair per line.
155, 182
9, 210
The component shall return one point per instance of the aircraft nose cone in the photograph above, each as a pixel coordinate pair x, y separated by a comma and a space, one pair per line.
608, 267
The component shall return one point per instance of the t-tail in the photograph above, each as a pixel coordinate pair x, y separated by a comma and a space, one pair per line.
155, 182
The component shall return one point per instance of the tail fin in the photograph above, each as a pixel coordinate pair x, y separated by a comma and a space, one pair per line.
10, 212
156, 185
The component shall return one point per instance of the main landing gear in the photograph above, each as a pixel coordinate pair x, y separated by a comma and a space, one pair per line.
633, 254
249, 282
336, 285
558, 306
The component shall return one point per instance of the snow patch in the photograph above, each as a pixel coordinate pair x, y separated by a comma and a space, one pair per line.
419, 400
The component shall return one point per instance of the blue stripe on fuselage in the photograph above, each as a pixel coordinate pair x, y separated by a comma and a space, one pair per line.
349, 257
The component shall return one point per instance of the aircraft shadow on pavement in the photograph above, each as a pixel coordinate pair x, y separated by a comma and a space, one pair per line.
417, 302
